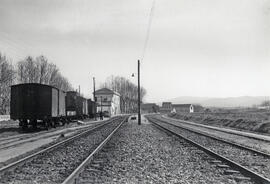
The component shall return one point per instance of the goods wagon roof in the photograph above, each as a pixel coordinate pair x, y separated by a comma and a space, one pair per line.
35, 84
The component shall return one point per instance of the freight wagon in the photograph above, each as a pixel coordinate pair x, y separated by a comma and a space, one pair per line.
76, 106
92, 108
32, 103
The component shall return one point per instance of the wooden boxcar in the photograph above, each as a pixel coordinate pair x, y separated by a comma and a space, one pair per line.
92, 108
76, 106
71, 103
32, 102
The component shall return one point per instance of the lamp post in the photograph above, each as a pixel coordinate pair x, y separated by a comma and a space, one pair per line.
139, 94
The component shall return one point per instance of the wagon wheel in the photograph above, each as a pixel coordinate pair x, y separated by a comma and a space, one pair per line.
63, 121
24, 124
34, 124
47, 124
53, 123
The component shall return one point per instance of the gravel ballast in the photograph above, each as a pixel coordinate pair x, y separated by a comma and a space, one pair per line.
13, 148
262, 145
256, 162
54, 166
145, 154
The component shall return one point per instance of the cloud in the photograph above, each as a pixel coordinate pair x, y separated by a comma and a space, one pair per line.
209, 43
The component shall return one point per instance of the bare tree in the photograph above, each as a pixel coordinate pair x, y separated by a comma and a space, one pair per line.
28, 71
265, 103
42, 63
6, 79
41, 71
128, 91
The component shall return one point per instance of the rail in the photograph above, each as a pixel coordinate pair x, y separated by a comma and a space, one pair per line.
255, 176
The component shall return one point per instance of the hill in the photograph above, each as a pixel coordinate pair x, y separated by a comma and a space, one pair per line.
242, 101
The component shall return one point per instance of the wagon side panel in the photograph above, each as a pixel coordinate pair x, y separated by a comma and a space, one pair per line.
43, 103
62, 103
79, 106
54, 103
85, 107
71, 104
16, 103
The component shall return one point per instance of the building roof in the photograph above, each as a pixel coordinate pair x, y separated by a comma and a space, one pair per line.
149, 105
105, 91
166, 103
35, 84
182, 105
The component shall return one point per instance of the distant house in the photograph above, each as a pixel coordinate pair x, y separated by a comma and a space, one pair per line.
183, 108
150, 108
264, 107
166, 107
108, 102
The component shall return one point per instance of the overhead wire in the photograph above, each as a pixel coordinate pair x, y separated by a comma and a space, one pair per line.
148, 29
16, 48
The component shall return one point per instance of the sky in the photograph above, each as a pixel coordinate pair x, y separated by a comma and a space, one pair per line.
209, 48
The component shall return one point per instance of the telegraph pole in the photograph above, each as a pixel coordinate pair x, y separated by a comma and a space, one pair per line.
94, 94
101, 104
139, 95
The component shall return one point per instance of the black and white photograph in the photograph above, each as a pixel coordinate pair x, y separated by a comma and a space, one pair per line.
134, 91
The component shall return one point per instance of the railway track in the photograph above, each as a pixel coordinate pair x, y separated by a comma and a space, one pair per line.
74, 176
206, 132
13, 141
251, 163
53, 164
231, 131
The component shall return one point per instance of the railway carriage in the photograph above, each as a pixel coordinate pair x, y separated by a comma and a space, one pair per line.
32, 103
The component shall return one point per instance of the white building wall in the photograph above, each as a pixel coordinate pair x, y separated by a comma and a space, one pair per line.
191, 109
116, 105
110, 103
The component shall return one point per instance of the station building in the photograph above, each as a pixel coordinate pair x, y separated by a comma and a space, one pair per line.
108, 102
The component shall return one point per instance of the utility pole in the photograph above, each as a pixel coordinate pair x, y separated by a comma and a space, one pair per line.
94, 84
139, 95
94, 94
101, 107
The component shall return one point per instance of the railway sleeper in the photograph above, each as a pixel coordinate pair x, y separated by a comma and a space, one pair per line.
231, 172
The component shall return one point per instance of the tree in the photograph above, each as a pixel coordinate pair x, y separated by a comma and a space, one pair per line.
29, 70
41, 71
7, 75
127, 90
265, 103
